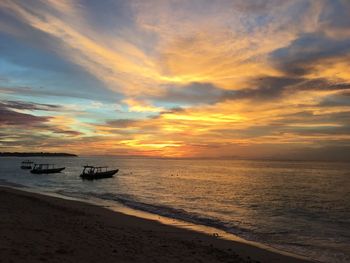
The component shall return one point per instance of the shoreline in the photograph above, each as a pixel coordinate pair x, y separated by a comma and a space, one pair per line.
118, 207
155, 240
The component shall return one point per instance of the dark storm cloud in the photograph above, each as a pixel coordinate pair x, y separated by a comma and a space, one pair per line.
10, 117
19, 105
331, 41
320, 84
299, 57
262, 89
267, 88
32, 140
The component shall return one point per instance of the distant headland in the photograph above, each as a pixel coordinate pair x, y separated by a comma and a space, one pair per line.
40, 154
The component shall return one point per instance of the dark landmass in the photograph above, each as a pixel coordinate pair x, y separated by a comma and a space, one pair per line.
31, 154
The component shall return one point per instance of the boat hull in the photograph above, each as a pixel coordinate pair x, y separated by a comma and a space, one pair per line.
100, 175
25, 167
47, 171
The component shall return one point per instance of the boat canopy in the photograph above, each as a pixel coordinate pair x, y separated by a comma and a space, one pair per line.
94, 169
44, 166
27, 162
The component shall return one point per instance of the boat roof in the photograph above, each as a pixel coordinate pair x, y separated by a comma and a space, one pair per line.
90, 166
45, 164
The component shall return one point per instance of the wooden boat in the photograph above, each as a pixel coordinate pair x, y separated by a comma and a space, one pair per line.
95, 172
44, 168
27, 164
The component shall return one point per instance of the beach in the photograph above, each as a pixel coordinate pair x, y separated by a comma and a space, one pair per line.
40, 228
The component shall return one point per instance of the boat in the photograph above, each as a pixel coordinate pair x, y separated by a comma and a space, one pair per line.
97, 172
45, 168
27, 164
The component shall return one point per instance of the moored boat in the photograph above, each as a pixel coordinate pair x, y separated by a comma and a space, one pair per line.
27, 164
97, 172
45, 168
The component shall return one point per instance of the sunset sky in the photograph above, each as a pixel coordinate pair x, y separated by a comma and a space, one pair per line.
176, 78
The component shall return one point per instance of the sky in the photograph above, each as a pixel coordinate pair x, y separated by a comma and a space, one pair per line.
176, 78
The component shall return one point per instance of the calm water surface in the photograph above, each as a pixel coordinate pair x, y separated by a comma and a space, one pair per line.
301, 207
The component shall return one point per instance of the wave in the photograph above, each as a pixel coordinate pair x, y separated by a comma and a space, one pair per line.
166, 211
183, 215
11, 184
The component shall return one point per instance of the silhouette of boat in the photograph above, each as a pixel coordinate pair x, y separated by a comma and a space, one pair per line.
45, 168
97, 172
27, 164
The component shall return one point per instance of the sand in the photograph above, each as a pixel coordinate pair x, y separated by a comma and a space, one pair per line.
40, 228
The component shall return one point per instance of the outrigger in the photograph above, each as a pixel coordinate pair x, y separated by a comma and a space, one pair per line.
45, 168
97, 172
27, 164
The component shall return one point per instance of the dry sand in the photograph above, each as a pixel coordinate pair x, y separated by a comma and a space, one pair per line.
39, 228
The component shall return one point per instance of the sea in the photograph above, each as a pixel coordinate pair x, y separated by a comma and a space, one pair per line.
294, 206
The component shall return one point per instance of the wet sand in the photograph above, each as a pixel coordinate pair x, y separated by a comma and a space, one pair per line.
39, 228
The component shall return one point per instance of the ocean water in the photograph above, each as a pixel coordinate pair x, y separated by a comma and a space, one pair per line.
300, 207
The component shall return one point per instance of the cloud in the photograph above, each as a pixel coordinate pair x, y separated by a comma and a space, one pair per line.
267, 88
122, 123
10, 117
140, 105
299, 57
12, 113
68, 93
193, 94
257, 6
271, 88
336, 100
20, 105
16, 115
335, 19
119, 67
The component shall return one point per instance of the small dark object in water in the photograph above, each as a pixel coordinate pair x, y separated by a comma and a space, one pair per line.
92, 172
